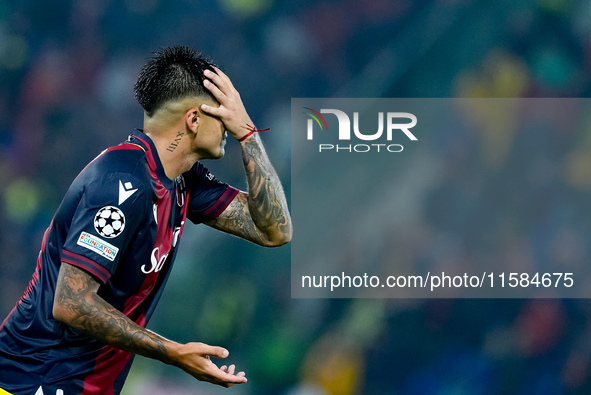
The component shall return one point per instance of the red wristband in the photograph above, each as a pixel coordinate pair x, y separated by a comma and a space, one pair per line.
252, 130
247, 135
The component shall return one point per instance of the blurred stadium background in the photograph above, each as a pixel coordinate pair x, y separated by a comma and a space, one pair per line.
66, 74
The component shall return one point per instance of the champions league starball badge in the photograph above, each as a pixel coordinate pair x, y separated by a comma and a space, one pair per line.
109, 222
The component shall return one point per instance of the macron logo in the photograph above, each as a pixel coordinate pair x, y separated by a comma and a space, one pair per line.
125, 191
40, 391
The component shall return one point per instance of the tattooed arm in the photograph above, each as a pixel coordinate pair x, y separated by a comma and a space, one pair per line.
261, 215
77, 304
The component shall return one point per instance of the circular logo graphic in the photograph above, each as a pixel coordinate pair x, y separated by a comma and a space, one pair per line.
109, 222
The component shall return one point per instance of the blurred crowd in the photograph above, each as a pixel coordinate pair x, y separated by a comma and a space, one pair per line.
67, 69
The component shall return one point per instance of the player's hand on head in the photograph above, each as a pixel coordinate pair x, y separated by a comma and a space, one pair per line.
231, 110
194, 358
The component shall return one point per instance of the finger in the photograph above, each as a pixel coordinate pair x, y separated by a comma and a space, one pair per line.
213, 111
231, 369
222, 378
234, 379
215, 351
223, 78
219, 72
214, 89
224, 368
218, 78
241, 374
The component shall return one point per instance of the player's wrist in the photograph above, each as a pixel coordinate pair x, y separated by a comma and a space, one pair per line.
240, 129
252, 130
173, 353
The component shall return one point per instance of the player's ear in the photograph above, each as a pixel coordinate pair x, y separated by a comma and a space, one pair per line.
192, 119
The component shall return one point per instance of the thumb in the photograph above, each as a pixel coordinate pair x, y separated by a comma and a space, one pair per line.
218, 352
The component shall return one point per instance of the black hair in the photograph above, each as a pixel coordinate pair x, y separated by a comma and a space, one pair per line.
173, 73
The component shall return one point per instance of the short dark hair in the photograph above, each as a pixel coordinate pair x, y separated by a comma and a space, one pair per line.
173, 73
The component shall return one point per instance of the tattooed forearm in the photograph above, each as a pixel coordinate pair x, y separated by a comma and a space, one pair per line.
266, 199
261, 215
237, 221
78, 305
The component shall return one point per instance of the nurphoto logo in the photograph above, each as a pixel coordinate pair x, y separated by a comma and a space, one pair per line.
396, 123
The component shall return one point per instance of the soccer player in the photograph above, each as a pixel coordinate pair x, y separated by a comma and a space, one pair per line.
108, 252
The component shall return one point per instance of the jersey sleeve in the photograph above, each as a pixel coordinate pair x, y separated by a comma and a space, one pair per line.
208, 197
106, 220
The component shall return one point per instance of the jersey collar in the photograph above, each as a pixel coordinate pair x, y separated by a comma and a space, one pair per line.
140, 138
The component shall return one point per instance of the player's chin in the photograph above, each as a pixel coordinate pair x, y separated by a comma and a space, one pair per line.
220, 153
216, 153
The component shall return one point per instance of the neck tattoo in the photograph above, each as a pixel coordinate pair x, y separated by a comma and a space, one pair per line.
175, 142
